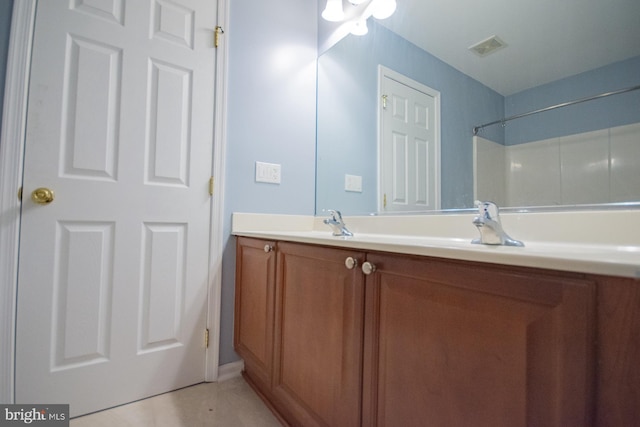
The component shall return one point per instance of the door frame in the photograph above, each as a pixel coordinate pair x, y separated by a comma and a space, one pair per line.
12, 140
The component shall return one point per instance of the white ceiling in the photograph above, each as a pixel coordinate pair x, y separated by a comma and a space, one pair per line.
546, 39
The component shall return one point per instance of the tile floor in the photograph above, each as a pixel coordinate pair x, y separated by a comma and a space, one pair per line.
231, 403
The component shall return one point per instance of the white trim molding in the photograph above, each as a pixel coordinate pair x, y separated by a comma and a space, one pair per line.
230, 370
217, 209
11, 156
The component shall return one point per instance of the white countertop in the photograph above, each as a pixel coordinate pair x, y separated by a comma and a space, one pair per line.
602, 242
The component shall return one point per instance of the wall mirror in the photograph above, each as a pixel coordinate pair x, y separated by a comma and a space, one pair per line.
497, 66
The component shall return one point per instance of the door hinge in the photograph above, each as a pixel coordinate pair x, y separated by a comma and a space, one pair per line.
211, 182
384, 101
384, 201
20, 194
206, 338
216, 35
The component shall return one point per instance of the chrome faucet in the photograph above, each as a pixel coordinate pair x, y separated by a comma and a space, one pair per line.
490, 227
337, 224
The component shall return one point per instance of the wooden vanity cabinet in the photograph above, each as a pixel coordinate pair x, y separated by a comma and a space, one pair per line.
425, 341
318, 335
254, 308
459, 344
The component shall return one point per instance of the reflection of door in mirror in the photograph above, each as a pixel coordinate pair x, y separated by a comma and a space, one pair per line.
409, 144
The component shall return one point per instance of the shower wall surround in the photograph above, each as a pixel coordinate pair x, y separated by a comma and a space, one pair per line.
584, 168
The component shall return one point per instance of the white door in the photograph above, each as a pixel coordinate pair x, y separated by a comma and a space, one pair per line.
409, 144
112, 287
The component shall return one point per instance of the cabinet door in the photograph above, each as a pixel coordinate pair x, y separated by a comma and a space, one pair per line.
460, 344
319, 332
618, 382
254, 305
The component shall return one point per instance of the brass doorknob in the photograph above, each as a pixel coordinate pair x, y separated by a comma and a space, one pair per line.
42, 196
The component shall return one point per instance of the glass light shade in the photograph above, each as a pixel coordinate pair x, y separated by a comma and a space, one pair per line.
333, 12
357, 2
382, 9
359, 27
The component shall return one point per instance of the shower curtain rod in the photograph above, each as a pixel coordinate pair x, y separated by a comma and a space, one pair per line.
553, 107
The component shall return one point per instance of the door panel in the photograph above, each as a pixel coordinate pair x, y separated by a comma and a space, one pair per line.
90, 106
82, 293
169, 118
113, 273
163, 285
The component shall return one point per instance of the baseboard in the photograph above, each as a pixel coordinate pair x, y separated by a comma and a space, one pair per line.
230, 370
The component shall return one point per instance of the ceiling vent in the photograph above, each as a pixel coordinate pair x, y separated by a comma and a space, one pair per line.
487, 46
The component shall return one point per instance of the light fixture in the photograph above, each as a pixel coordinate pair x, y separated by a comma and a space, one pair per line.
359, 27
358, 11
382, 9
333, 11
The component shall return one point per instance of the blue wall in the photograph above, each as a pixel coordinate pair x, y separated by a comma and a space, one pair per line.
347, 117
615, 110
6, 7
271, 118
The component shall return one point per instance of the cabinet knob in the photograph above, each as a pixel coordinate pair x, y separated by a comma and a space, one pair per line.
268, 248
368, 268
351, 263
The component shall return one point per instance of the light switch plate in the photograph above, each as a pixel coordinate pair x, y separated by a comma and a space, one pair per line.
268, 172
353, 183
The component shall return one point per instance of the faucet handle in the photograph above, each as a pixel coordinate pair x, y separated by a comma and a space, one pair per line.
335, 215
336, 223
488, 210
